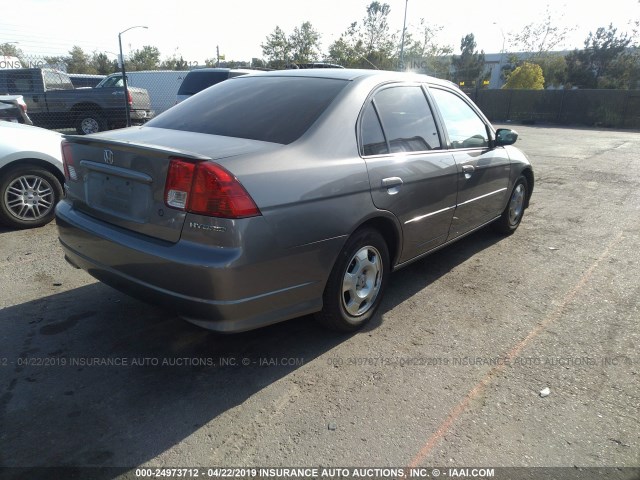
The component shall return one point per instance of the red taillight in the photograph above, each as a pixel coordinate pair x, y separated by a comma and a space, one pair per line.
23, 105
217, 193
208, 189
67, 161
129, 97
178, 185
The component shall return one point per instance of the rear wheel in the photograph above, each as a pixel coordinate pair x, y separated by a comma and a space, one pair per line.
90, 122
357, 282
28, 196
513, 212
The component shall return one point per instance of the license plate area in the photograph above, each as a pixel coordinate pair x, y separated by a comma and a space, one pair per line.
117, 193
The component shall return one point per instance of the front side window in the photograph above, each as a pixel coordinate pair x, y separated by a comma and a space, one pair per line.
406, 119
464, 126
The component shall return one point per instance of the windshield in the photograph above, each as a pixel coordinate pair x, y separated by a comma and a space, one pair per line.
270, 109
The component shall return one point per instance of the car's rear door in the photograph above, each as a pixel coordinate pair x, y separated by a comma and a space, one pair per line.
483, 171
411, 175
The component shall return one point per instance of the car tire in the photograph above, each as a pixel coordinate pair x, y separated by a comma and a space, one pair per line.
356, 283
513, 212
90, 122
28, 196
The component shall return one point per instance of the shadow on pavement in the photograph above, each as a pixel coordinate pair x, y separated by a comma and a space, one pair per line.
93, 378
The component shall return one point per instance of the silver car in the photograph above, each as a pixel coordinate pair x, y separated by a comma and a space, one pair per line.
279, 194
31, 175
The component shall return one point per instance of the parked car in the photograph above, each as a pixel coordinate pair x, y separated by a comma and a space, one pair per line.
85, 80
200, 78
279, 194
54, 103
162, 85
14, 109
31, 175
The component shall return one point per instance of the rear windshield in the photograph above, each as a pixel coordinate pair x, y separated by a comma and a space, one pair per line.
270, 109
196, 81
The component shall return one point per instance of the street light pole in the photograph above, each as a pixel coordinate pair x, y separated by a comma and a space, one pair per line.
404, 27
124, 75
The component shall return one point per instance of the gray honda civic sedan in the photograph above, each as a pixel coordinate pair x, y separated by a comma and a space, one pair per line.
280, 194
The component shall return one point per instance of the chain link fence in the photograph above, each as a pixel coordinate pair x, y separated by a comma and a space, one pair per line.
595, 108
87, 103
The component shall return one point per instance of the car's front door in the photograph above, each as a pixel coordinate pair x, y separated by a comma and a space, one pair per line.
483, 171
411, 175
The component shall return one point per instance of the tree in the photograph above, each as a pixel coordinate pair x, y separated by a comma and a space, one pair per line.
606, 60
538, 39
304, 44
10, 50
147, 58
258, 63
174, 63
526, 76
369, 43
79, 61
432, 56
57, 62
102, 65
347, 50
554, 69
469, 66
375, 29
276, 48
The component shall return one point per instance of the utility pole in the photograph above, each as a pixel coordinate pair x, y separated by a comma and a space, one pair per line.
404, 28
124, 75
218, 55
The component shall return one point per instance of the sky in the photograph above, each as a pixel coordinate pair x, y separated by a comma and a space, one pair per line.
193, 29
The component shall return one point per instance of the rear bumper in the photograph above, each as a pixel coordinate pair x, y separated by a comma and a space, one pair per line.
142, 115
216, 288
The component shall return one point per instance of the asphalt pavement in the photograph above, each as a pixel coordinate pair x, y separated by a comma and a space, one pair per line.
494, 352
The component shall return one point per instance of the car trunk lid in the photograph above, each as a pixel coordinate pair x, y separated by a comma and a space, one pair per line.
122, 182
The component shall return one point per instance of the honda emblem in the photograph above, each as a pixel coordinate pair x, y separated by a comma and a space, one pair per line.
108, 156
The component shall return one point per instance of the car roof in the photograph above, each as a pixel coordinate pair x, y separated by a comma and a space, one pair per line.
220, 69
354, 74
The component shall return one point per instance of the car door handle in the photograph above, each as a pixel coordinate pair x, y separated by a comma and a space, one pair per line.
468, 170
392, 184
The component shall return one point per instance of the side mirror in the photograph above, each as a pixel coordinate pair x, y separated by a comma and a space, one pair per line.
505, 136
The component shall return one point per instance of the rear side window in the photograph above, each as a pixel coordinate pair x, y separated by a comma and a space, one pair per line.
196, 81
19, 82
373, 141
406, 119
270, 109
